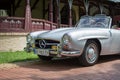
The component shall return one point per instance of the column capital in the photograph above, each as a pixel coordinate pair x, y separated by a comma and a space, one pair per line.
70, 3
28, 2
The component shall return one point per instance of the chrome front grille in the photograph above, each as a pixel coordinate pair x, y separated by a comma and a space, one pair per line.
45, 44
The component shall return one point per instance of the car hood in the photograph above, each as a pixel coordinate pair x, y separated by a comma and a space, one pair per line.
55, 34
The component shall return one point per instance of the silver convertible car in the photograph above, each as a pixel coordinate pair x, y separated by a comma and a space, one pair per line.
91, 37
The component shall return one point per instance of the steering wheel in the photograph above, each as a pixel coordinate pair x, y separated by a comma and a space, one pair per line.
100, 23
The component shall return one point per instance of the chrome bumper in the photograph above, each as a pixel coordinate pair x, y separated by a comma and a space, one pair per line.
57, 53
66, 53
62, 53
70, 53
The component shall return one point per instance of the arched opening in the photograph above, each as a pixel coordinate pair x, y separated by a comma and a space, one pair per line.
65, 15
95, 9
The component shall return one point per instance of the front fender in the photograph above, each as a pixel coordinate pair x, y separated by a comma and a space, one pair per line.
79, 45
81, 42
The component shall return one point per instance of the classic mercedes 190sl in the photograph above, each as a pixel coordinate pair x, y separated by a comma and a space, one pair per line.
91, 37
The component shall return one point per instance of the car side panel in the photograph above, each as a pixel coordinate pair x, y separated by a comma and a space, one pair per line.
79, 39
115, 41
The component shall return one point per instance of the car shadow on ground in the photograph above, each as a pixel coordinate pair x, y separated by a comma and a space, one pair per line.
63, 64
107, 58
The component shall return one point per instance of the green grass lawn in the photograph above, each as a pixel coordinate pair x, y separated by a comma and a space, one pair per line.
9, 57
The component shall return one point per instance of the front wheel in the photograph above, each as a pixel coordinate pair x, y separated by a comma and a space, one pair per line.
90, 54
45, 58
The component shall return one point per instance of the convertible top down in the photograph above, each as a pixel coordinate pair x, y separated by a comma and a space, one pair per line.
91, 37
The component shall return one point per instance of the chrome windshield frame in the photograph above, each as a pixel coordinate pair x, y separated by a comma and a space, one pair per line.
106, 21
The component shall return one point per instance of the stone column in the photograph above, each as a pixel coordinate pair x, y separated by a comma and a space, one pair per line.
28, 22
70, 12
51, 11
58, 13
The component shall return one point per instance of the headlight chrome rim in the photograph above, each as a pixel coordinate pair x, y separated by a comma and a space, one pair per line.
66, 42
30, 39
65, 39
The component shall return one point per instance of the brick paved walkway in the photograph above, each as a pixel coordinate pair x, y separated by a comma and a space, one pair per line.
108, 68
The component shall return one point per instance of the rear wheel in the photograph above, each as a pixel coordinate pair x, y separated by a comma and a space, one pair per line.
45, 58
90, 54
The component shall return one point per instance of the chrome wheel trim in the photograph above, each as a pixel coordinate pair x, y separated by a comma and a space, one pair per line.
91, 53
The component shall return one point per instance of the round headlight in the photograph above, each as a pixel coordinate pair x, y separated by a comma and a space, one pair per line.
65, 39
29, 38
66, 42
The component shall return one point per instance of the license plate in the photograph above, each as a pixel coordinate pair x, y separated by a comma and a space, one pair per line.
42, 52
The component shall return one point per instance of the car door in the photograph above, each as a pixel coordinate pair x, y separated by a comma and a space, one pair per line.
115, 41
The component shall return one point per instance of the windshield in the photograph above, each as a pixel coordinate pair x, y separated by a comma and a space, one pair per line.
94, 22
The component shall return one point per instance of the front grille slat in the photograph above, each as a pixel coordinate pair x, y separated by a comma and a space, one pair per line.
45, 44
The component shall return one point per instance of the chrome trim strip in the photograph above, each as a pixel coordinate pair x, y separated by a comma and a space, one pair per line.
70, 53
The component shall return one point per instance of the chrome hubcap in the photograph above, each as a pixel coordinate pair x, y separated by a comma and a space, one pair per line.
91, 55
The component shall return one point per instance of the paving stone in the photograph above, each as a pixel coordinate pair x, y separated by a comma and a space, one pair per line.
108, 68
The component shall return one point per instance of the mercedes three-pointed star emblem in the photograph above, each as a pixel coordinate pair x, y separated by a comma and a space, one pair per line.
42, 44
